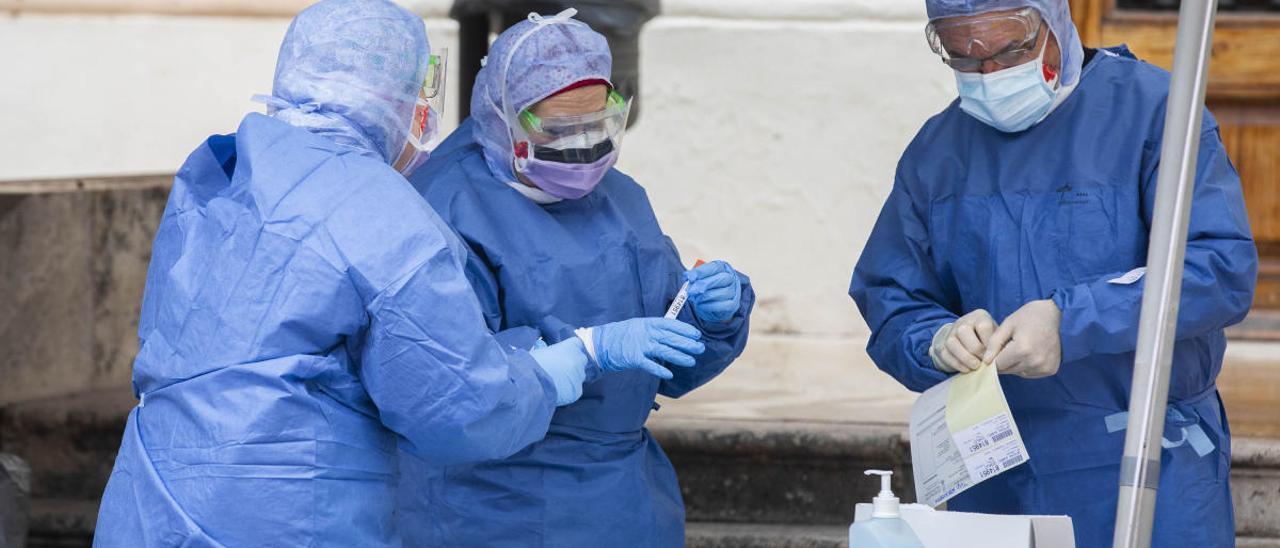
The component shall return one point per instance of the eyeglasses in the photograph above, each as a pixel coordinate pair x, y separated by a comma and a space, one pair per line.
956, 38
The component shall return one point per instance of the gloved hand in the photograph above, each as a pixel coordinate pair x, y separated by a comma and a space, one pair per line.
566, 362
636, 343
958, 346
715, 291
1027, 344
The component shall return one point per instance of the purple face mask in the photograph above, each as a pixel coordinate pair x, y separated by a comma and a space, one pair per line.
567, 181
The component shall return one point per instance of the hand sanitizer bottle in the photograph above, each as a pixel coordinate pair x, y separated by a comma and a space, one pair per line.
885, 529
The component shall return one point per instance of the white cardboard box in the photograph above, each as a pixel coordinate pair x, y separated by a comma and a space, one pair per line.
938, 529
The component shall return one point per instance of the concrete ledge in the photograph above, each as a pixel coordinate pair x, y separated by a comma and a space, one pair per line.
781, 472
216, 8
808, 10
86, 184
780, 438
745, 483
798, 472
75, 255
62, 523
740, 535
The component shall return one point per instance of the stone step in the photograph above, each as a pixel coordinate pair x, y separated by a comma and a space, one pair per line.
745, 483
785, 472
62, 523
764, 472
752, 535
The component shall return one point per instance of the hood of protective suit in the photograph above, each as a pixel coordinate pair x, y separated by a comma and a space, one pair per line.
351, 70
538, 56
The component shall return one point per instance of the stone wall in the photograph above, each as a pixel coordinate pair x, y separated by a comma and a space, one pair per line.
75, 258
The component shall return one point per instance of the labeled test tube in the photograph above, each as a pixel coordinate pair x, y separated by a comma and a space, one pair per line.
682, 296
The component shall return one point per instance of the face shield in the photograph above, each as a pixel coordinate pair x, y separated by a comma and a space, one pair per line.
430, 106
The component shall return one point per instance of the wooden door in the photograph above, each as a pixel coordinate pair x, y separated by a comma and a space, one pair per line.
1243, 93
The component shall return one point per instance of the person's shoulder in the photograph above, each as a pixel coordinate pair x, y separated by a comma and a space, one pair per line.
378, 211
619, 187
1134, 86
619, 181
939, 129
461, 181
451, 172
1120, 68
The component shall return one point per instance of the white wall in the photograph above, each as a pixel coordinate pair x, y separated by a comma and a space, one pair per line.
121, 94
770, 139
769, 134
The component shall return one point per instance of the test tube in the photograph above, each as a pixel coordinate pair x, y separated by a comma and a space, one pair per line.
681, 296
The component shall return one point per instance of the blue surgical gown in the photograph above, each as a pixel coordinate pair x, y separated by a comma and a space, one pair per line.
305, 310
983, 219
599, 478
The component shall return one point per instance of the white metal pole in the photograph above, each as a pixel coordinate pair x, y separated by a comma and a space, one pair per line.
1140, 467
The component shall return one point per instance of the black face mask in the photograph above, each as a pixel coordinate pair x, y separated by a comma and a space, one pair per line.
574, 155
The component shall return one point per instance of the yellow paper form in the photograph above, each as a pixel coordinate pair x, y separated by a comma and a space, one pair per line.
974, 397
962, 433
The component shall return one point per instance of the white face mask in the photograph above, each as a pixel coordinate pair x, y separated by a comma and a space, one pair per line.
414, 162
1010, 100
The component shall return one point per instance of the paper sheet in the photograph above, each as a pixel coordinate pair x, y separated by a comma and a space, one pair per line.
962, 433
1129, 277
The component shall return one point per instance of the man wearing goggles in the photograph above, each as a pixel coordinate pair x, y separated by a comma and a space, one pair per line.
1007, 65
1014, 236
561, 241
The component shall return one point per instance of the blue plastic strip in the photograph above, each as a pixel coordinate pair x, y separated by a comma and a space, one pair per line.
1198, 439
1193, 434
1117, 421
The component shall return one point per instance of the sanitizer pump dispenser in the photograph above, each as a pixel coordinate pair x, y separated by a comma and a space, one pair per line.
885, 529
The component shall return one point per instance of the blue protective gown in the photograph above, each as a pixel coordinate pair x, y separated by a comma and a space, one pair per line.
599, 478
303, 307
982, 219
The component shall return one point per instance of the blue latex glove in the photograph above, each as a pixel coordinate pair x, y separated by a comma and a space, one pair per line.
715, 291
637, 343
566, 363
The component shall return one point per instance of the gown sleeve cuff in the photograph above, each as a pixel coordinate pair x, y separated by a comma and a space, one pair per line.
1068, 300
587, 335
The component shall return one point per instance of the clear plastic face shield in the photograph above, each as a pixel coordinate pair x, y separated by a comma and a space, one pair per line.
1003, 38
425, 126
582, 139
430, 106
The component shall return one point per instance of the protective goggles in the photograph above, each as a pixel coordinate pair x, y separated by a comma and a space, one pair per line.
965, 43
582, 139
430, 105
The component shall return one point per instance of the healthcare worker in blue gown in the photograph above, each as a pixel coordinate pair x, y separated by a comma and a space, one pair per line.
1014, 234
559, 239
305, 311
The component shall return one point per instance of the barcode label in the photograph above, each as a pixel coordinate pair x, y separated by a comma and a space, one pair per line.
1001, 435
1012, 461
